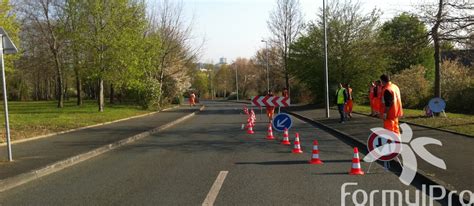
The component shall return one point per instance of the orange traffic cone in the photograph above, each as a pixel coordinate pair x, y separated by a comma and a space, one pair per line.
356, 168
297, 147
315, 156
270, 133
250, 129
286, 138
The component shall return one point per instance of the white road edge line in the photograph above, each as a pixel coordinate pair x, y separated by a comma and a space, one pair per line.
216, 187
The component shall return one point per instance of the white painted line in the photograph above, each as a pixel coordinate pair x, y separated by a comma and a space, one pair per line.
216, 187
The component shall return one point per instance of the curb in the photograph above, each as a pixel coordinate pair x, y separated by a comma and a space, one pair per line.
86, 127
240, 101
421, 176
23, 178
424, 126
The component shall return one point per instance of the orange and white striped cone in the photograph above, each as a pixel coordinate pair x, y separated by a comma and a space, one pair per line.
270, 133
286, 138
250, 129
297, 146
315, 155
356, 169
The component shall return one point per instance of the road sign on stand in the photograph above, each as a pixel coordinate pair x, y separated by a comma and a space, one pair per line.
282, 121
270, 101
387, 145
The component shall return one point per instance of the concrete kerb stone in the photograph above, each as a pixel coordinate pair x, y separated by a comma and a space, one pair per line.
424, 126
86, 127
23, 178
421, 175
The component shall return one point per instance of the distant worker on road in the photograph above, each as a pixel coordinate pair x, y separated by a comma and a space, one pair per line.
270, 110
392, 105
284, 93
349, 104
192, 99
341, 99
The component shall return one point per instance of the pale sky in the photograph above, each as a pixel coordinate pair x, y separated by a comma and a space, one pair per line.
235, 28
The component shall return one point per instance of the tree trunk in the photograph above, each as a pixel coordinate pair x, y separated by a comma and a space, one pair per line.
59, 81
112, 94
434, 31
287, 78
66, 87
78, 88
101, 95
437, 89
162, 76
78, 80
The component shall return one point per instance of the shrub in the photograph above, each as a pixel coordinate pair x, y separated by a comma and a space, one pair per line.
146, 93
457, 87
300, 94
414, 88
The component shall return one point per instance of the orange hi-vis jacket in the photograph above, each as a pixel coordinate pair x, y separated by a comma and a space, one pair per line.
371, 92
396, 109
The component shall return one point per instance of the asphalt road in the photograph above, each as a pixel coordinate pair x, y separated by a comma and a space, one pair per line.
180, 165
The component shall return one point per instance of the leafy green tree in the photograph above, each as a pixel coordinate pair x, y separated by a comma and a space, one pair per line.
114, 28
11, 26
406, 43
200, 82
223, 80
74, 28
354, 55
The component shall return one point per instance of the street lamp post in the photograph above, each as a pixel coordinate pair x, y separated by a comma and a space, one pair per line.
326, 60
6, 47
266, 54
236, 82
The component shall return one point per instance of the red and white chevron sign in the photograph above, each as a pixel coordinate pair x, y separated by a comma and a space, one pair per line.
267, 101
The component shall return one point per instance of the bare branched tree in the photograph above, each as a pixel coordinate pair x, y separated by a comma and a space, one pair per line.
44, 15
451, 21
286, 22
176, 50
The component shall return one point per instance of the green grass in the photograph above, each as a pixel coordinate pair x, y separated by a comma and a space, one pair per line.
29, 119
461, 123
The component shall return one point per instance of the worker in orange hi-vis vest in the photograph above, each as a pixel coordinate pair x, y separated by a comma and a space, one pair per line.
371, 98
284, 93
270, 110
192, 99
391, 105
350, 103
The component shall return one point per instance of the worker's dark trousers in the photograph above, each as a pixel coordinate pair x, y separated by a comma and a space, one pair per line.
341, 112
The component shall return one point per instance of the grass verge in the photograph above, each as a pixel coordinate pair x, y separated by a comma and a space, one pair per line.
30, 119
461, 123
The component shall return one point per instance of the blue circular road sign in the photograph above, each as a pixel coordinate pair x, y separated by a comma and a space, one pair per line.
437, 105
282, 121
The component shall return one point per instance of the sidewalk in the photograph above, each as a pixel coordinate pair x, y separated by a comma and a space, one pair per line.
457, 150
32, 155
